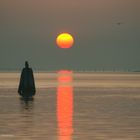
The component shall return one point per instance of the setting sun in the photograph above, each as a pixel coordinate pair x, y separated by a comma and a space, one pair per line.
64, 40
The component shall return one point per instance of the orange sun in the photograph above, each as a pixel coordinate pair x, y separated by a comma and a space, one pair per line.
64, 40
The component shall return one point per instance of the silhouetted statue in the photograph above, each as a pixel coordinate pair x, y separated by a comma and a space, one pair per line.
27, 85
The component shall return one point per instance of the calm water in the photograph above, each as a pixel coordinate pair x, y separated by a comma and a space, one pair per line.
72, 106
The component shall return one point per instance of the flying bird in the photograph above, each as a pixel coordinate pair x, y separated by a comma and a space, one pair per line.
119, 23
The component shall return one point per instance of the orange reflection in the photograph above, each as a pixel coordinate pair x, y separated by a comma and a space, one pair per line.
65, 105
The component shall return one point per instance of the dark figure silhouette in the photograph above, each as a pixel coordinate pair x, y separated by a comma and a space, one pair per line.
27, 85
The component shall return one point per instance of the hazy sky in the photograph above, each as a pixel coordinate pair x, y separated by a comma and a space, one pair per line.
28, 29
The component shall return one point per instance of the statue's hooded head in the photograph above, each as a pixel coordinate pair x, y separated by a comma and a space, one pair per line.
26, 64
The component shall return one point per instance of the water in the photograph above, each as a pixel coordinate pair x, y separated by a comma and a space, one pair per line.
72, 106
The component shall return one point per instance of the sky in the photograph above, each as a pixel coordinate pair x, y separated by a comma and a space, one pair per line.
106, 34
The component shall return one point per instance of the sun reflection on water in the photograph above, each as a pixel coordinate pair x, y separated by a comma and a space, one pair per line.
65, 105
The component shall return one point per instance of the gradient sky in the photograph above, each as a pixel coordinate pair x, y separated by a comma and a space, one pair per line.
28, 29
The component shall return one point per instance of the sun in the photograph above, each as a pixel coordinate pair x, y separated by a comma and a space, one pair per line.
64, 40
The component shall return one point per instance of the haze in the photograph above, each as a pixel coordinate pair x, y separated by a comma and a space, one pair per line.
107, 34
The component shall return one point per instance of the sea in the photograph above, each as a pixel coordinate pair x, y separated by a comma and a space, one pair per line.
72, 105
